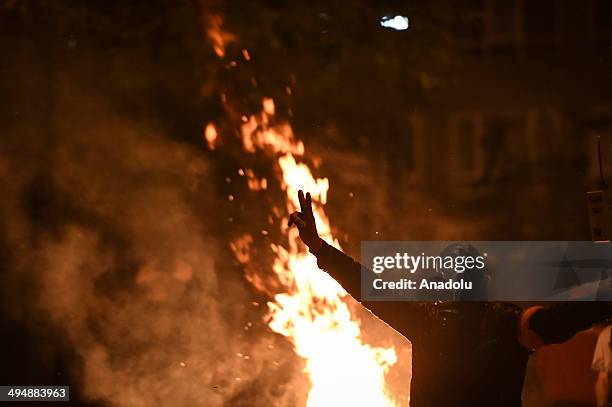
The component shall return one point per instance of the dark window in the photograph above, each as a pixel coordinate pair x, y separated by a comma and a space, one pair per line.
473, 5
603, 14
470, 27
503, 18
540, 16
470, 24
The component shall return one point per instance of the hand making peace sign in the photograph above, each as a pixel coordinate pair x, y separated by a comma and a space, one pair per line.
305, 222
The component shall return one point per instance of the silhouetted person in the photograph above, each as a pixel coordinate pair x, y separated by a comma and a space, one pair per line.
464, 353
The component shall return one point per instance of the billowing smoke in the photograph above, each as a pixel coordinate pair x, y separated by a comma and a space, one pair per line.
112, 249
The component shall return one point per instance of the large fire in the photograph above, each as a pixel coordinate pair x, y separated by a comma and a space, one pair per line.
311, 311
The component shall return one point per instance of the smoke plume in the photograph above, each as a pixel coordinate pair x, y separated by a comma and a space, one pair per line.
113, 249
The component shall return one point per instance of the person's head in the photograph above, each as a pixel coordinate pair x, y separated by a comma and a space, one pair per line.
469, 265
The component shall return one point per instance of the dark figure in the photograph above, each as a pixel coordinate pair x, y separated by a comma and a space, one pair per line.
464, 353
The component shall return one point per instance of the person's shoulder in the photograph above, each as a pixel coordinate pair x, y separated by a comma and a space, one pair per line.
504, 309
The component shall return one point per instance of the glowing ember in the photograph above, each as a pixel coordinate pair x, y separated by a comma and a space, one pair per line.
210, 134
219, 38
254, 183
246, 55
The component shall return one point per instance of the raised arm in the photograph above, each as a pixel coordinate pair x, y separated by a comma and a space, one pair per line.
404, 317
341, 267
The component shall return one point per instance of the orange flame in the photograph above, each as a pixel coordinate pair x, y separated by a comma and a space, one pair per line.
310, 309
217, 35
311, 312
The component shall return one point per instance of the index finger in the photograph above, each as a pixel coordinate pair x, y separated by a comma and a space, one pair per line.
302, 201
